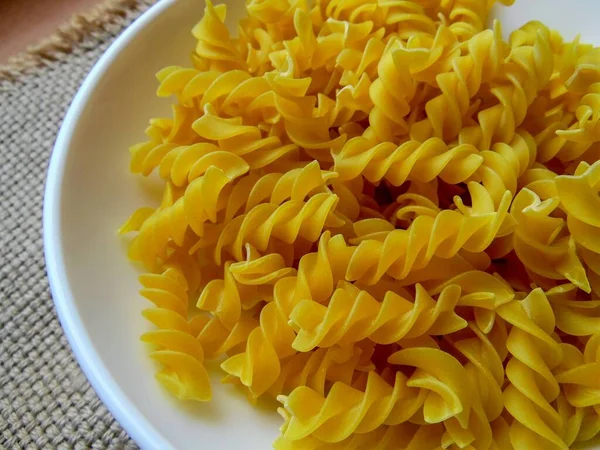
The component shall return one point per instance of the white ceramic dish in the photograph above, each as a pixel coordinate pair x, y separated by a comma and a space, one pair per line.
90, 191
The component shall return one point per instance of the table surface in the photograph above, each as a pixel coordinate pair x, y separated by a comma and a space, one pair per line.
27, 22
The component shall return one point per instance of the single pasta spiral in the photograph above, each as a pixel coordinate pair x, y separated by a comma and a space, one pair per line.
532, 387
380, 402
353, 315
505, 163
468, 17
176, 215
215, 49
578, 194
577, 130
177, 349
579, 379
410, 160
583, 375
409, 18
216, 339
391, 94
353, 12
440, 234
489, 377
287, 222
539, 240
574, 317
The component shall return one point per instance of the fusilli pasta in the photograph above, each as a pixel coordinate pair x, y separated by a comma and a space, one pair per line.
386, 217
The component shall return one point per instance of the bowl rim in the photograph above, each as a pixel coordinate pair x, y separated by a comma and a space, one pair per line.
117, 402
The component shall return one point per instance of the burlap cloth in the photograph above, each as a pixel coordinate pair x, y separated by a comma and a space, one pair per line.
45, 400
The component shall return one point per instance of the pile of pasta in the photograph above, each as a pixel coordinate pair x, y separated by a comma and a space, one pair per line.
385, 216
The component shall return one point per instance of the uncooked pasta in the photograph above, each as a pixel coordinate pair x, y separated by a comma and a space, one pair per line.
385, 216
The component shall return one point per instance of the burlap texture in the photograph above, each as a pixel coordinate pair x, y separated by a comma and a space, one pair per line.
45, 400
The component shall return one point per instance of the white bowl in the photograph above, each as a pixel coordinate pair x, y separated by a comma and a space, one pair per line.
90, 192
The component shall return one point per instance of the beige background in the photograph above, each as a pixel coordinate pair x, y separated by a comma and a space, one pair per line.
27, 22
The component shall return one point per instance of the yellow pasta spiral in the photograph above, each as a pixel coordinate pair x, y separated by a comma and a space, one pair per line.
527, 71
259, 366
505, 163
215, 50
171, 221
485, 367
353, 12
449, 112
540, 242
391, 94
532, 386
440, 234
380, 402
177, 349
581, 375
577, 130
216, 339
578, 194
353, 315
409, 18
468, 17
287, 222
410, 160
574, 317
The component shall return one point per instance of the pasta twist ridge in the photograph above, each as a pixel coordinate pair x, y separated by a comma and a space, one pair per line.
409, 18
391, 94
485, 366
216, 339
578, 128
354, 12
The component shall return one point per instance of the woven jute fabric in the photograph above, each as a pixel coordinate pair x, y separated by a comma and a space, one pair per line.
45, 400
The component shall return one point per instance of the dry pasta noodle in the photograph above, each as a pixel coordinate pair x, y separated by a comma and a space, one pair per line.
385, 216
